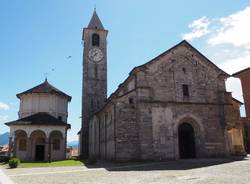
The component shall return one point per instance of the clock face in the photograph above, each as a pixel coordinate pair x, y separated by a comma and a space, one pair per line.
95, 54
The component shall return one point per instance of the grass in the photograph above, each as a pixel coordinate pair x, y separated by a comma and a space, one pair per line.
52, 164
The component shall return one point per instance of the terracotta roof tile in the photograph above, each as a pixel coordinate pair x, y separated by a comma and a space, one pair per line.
45, 87
41, 118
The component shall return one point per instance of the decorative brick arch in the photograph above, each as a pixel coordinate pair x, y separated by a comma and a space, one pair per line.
192, 120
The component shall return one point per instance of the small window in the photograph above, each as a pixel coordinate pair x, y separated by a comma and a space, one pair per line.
185, 90
184, 70
60, 118
131, 100
95, 40
22, 145
56, 144
92, 103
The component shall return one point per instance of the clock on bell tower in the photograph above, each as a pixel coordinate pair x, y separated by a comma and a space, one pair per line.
94, 91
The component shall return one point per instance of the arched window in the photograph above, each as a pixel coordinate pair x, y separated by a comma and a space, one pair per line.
95, 40
22, 145
185, 90
56, 144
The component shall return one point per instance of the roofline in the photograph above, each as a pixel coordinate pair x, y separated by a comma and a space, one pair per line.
11, 124
22, 120
25, 93
241, 103
186, 42
108, 100
60, 93
140, 66
239, 72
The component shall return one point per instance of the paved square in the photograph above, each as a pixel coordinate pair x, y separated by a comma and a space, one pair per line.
198, 171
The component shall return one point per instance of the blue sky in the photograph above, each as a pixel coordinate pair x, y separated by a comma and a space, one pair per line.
36, 37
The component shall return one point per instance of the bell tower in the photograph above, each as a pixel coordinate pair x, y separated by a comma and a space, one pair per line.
94, 91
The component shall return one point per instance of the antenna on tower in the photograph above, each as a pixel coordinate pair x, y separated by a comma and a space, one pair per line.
95, 7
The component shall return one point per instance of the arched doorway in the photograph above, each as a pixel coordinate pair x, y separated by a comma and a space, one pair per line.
38, 138
186, 141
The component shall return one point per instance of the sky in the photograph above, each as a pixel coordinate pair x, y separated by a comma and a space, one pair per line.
36, 37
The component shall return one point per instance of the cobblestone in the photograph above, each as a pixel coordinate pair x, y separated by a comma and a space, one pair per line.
198, 171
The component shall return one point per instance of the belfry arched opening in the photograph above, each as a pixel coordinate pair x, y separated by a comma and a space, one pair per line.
186, 138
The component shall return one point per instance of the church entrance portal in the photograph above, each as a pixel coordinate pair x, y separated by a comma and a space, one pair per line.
39, 153
186, 141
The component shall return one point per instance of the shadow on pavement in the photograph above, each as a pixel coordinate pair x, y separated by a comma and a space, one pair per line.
184, 164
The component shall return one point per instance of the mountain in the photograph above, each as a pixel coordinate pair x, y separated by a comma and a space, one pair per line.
73, 144
4, 138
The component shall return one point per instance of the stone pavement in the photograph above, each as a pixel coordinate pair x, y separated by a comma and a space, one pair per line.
196, 171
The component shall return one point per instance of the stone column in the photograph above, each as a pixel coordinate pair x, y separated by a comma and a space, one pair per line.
29, 149
50, 152
65, 144
46, 151
15, 147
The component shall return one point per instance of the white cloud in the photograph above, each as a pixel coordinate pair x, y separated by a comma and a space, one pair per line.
226, 41
199, 28
236, 64
233, 29
4, 106
3, 117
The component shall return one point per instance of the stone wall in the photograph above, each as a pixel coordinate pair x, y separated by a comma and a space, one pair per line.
53, 104
150, 106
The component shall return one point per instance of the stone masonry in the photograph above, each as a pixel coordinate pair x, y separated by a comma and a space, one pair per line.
142, 119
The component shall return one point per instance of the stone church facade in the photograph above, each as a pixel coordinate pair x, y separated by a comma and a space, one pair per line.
40, 132
175, 106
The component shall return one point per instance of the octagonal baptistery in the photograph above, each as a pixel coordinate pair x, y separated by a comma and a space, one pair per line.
40, 133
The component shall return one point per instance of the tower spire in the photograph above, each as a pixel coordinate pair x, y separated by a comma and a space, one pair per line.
95, 22
46, 77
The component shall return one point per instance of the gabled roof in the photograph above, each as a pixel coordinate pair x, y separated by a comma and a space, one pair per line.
95, 22
45, 87
184, 42
240, 72
41, 118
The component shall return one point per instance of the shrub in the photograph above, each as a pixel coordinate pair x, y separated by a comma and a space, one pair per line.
4, 159
91, 160
14, 162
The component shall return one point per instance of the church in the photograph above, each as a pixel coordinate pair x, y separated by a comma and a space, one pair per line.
40, 132
174, 106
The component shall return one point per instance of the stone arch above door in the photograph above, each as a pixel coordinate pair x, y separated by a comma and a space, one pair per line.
199, 133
